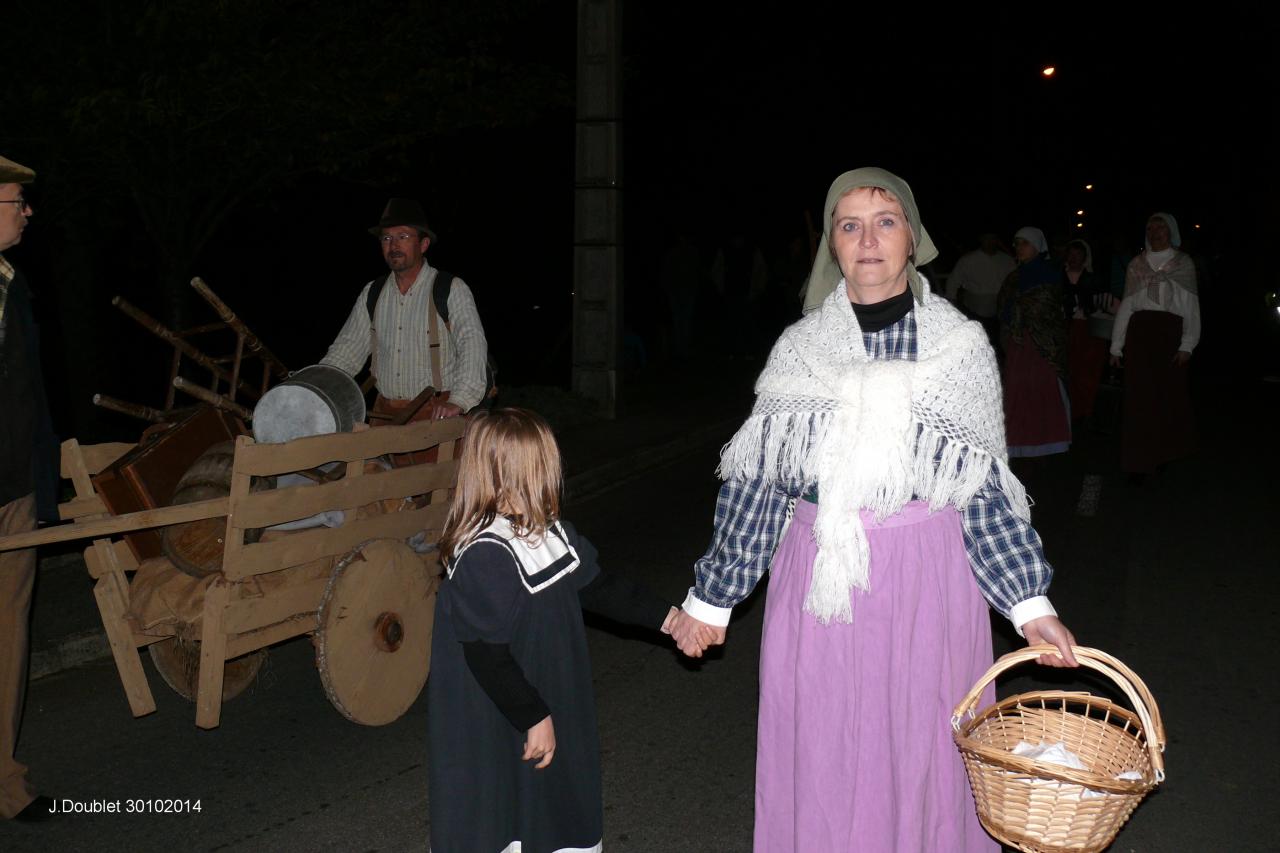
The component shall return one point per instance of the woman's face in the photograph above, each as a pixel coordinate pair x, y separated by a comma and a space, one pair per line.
1158, 234
1075, 258
1024, 250
871, 240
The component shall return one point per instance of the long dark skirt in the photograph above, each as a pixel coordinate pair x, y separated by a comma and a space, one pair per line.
1158, 422
1037, 419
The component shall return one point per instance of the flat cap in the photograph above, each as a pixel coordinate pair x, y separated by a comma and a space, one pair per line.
14, 173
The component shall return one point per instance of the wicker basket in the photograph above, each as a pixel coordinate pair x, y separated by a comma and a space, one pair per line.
1040, 807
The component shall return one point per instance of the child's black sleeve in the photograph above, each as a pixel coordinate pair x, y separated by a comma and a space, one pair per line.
623, 600
615, 596
503, 681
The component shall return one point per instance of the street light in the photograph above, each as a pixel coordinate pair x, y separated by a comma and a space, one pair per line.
1048, 71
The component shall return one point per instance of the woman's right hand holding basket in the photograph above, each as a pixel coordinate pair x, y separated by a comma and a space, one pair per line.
1049, 629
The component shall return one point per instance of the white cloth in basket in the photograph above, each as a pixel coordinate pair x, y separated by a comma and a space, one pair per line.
1057, 753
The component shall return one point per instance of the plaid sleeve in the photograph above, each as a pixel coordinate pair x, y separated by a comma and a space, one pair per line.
1005, 552
750, 514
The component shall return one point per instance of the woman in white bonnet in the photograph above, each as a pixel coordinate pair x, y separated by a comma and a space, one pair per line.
1157, 328
878, 423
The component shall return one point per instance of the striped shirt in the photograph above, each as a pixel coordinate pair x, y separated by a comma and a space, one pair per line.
1005, 552
399, 339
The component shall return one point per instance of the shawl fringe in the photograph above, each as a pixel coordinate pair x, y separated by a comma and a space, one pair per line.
873, 435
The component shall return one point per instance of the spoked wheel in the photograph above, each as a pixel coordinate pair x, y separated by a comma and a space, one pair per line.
373, 635
178, 662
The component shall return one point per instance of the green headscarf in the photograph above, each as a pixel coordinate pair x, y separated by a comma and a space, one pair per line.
826, 272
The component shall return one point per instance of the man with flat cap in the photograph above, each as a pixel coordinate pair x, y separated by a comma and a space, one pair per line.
22, 405
419, 324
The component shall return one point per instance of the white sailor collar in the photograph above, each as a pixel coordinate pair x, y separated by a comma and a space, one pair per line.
541, 564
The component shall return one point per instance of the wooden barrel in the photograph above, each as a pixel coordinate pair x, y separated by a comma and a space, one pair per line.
178, 662
196, 547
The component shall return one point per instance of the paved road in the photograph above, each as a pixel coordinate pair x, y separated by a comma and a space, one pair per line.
1178, 577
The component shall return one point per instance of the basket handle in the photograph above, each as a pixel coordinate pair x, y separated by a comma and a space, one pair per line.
1128, 681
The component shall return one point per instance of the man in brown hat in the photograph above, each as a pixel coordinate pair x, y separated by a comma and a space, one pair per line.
21, 405
418, 323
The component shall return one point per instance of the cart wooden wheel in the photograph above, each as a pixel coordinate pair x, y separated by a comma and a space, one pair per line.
373, 635
178, 662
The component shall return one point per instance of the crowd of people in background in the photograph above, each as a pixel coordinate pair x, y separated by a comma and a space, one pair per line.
1049, 305
1061, 332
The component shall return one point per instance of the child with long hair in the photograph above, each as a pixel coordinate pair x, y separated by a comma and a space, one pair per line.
515, 759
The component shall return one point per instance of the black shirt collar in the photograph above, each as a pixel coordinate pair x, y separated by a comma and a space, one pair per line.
881, 315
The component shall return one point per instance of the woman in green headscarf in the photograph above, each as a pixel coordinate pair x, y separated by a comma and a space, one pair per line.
878, 429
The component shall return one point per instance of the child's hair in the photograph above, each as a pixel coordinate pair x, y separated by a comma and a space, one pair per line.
510, 466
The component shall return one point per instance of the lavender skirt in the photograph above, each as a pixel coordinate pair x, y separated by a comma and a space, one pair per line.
854, 749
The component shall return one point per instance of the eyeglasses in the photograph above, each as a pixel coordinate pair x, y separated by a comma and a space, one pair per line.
387, 239
19, 201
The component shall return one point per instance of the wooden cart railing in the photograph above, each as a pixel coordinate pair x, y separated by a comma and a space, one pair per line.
237, 618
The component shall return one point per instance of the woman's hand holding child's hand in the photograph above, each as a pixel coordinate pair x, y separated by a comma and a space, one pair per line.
673, 614
693, 636
540, 743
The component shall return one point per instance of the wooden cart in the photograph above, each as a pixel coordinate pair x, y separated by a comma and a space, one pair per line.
364, 594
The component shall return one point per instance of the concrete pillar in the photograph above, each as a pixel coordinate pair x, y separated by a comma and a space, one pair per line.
597, 244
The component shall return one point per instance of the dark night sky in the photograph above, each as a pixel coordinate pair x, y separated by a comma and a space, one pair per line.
770, 109
740, 119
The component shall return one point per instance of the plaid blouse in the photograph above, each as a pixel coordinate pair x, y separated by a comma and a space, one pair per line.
1005, 552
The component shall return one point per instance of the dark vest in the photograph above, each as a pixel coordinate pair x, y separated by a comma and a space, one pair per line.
20, 394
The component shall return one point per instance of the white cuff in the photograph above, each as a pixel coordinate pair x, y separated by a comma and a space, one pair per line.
1033, 608
703, 612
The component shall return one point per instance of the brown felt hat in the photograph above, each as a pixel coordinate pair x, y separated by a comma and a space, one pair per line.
403, 211
14, 173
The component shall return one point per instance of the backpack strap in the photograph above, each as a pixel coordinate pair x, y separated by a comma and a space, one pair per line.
440, 293
372, 296
375, 293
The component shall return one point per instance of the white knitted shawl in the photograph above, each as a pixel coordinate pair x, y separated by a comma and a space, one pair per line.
873, 434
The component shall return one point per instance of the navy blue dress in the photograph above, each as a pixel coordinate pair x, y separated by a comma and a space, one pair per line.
483, 797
